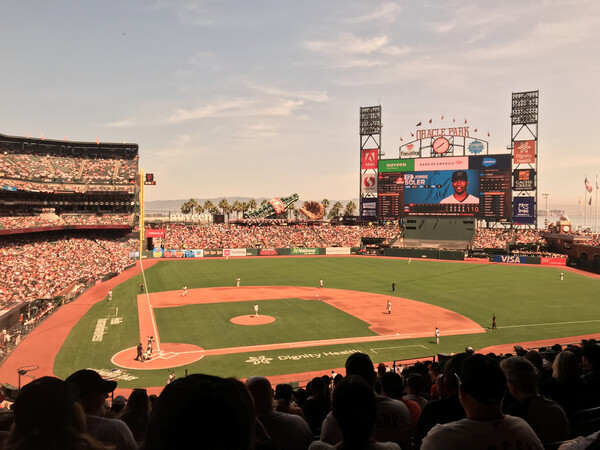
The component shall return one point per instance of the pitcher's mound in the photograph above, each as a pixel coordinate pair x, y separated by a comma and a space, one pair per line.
252, 320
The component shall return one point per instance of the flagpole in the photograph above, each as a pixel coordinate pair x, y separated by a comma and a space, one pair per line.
597, 230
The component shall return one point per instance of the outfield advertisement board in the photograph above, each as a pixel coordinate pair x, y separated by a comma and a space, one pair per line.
234, 252
510, 259
304, 251
544, 261
524, 210
337, 251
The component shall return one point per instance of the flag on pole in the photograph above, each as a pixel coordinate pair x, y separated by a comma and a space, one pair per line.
588, 185
419, 124
597, 187
442, 117
590, 202
430, 120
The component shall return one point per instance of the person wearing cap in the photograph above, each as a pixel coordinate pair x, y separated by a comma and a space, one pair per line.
46, 415
481, 387
460, 183
546, 417
393, 420
93, 392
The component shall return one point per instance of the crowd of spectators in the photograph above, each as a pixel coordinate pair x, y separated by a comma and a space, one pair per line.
273, 236
47, 220
42, 267
49, 173
527, 399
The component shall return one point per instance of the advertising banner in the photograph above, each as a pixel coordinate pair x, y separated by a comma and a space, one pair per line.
234, 252
157, 252
553, 261
368, 158
198, 253
155, 233
213, 252
304, 251
410, 151
510, 259
369, 184
368, 209
448, 163
397, 165
523, 210
337, 251
524, 152
524, 180
267, 252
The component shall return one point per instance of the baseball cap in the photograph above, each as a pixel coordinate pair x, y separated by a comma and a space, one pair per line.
89, 381
460, 175
43, 405
482, 378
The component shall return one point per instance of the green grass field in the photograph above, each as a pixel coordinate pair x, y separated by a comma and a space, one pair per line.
530, 303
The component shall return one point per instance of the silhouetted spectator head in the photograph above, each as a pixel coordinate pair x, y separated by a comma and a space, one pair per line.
392, 386
46, 415
93, 389
591, 353
535, 358
565, 368
451, 370
353, 406
262, 393
521, 376
482, 379
318, 387
361, 364
202, 411
284, 392
415, 384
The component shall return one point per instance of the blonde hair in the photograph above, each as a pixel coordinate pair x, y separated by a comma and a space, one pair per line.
565, 368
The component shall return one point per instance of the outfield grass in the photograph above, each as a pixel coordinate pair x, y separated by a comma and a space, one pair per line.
530, 303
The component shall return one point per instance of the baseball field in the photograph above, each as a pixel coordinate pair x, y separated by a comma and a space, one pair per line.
302, 327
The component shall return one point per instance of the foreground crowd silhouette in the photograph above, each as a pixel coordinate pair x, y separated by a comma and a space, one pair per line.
527, 400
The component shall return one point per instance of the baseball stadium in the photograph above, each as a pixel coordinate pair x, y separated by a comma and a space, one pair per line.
286, 289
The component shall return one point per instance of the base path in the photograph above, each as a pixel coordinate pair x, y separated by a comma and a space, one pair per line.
409, 319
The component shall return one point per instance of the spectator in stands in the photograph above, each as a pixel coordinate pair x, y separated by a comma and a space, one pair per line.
392, 387
545, 416
317, 405
481, 389
355, 411
590, 362
448, 408
289, 430
93, 391
565, 386
136, 413
46, 416
202, 411
414, 387
393, 421
283, 396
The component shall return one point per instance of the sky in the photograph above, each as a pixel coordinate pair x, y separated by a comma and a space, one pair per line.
262, 98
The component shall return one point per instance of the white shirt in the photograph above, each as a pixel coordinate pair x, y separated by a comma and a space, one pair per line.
482, 435
451, 199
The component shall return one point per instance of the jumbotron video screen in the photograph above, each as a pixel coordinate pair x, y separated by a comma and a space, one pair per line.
465, 186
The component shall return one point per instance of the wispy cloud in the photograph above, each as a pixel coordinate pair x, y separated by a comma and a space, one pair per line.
386, 12
350, 44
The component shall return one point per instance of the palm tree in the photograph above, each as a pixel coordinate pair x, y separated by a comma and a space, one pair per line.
264, 202
224, 205
325, 204
208, 206
199, 208
291, 210
251, 205
335, 210
189, 206
350, 208
237, 208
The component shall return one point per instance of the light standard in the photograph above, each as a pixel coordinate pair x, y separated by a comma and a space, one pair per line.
546, 221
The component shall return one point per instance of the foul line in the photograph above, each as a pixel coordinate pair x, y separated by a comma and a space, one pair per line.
553, 323
156, 337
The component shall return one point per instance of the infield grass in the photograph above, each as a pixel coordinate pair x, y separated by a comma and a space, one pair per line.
530, 303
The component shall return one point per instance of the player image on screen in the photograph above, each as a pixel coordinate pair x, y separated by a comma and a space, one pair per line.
460, 183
